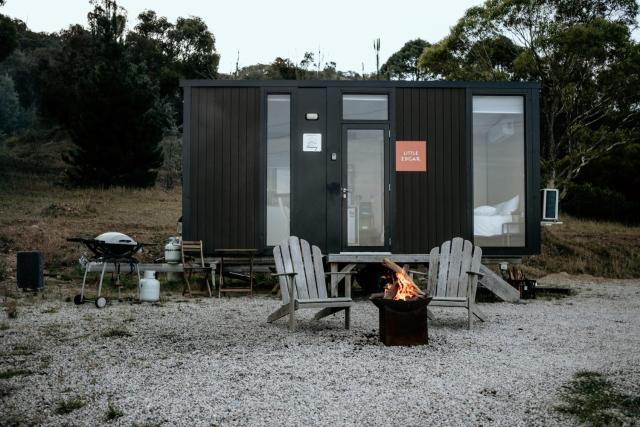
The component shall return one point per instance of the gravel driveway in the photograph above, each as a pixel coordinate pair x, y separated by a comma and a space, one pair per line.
217, 362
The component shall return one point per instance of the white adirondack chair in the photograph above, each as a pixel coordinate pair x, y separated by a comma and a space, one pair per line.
303, 285
454, 270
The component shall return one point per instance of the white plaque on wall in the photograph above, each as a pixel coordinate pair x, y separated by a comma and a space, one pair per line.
312, 142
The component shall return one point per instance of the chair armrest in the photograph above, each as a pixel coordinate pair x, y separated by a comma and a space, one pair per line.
339, 272
473, 273
419, 273
283, 274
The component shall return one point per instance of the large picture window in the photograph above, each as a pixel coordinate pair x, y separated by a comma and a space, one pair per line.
278, 167
498, 171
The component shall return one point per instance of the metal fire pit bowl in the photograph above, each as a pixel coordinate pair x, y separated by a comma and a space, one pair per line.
402, 322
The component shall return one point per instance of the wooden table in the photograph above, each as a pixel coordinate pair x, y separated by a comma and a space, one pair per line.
235, 256
349, 260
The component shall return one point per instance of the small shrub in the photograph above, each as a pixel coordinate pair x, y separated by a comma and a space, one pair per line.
50, 310
67, 406
13, 373
12, 309
4, 326
113, 412
593, 400
116, 333
4, 270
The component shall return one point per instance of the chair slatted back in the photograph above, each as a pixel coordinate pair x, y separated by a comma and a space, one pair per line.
295, 255
192, 248
448, 266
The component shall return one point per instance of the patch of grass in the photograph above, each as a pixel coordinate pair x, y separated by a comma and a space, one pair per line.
593, 400
50, 310
598, 248
116, 333
14, 373
67, 406
23, 350
113, 412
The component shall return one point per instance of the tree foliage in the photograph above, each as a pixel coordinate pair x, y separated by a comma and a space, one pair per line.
582, 53
171, 51
109, 105
8, 36
403, 64
309, 68
9, 105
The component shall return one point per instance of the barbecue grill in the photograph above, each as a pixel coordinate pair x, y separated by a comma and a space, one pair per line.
108, 248
110, 245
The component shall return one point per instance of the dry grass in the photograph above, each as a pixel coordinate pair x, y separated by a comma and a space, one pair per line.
597, 248
40, 216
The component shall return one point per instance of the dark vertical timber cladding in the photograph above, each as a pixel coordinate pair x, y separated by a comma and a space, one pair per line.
430, 206
309, 169
223, 141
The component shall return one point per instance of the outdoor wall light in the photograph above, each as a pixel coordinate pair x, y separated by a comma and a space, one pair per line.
311, 116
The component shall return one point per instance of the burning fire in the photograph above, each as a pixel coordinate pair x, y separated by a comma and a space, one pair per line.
401, 286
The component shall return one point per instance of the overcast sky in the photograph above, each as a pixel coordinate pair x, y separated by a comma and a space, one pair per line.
343, 30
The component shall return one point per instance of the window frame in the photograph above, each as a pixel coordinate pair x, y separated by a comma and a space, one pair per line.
531, 174
261, 224
344, 93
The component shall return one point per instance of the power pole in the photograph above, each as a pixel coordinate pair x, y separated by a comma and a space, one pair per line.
237, 65
376, 48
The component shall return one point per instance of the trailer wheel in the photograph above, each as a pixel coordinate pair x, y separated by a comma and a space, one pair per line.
78, 299
101, 302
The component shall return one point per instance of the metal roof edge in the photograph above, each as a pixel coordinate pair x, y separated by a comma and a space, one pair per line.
361, 83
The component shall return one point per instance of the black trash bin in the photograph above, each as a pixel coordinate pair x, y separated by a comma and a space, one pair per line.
30, 274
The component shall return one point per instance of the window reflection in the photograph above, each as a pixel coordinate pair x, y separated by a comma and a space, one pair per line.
365, 107
365, 180
498, 171
278, 167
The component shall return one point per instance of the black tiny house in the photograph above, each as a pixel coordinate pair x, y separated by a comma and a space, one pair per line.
362, 166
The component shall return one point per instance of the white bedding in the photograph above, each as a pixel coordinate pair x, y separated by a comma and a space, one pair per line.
488, 220
489, 225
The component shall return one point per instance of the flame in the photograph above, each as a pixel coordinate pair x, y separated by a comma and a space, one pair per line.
402, 288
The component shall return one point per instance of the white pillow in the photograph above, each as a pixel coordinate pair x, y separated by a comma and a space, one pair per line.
507, 207
484, 210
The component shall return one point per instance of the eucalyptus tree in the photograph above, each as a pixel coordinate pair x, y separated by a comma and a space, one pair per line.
403, 64
582, 53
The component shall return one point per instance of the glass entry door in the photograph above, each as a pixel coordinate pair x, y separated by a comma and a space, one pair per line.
365, 182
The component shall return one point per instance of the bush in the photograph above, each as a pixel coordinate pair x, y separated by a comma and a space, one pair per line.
9, 106
3, 269
589, 201
170, 173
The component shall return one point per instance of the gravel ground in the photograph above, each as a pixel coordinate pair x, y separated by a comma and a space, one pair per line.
217, 362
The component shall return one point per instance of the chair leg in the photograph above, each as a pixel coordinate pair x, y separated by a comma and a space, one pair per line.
206, 278
280, 312
188, 287
470, 314
292, 311
347, 318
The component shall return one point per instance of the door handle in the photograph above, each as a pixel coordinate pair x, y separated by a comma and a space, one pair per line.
345, 191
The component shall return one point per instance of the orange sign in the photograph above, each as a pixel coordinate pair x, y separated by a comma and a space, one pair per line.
411, 156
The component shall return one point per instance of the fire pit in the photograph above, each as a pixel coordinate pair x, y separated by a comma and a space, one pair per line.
402, 309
